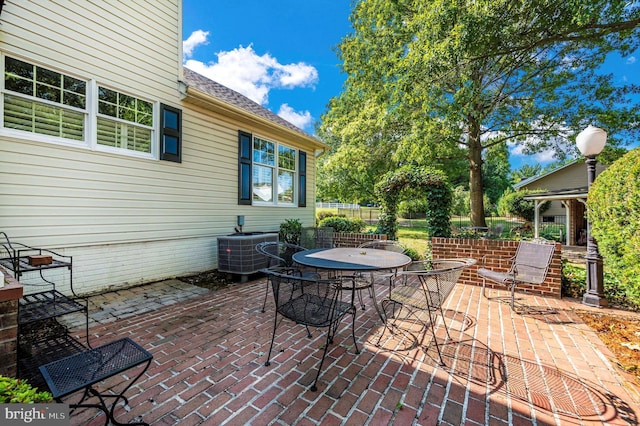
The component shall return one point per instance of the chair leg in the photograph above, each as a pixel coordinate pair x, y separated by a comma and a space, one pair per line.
266, 294
273, 336
433, 333
484, 291
324, 354
360, 299
513, 296
444, 323
330, 333
353, 330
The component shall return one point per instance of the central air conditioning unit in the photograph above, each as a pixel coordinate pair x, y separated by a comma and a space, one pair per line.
237, 253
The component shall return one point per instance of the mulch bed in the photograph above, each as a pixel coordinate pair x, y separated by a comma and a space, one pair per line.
211, 280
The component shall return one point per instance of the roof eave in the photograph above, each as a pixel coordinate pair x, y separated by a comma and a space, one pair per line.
532, 179
196, 96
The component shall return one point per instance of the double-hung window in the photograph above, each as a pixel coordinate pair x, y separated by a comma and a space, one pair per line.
39, 100
270, 173
124, 121
63, 108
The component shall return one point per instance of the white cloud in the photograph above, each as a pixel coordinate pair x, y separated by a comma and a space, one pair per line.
545, 156
297, 75
298, 119
631, 60
196, 38
253, 75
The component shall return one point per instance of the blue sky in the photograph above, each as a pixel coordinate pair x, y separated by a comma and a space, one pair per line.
281, 54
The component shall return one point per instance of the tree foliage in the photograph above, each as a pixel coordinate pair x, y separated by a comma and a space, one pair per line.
524, 172
495, 172
512, 203
436, 82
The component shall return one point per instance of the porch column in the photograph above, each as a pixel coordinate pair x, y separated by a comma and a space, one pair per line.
536, 217
567, 220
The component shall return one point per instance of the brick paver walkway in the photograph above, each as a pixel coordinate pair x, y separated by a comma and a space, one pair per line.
540, 368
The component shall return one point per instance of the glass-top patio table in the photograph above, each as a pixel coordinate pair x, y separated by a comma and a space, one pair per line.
354, 259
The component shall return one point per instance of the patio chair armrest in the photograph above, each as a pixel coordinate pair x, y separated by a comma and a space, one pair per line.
500, 259
539, 268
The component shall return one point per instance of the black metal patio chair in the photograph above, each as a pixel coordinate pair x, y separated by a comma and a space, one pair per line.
317, 237
358, 282
280, 259
312, 302
422, 288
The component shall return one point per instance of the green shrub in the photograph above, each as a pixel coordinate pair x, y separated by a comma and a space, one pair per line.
574, 285
321, 214
614, 213
343, 224
512, 203
19, 391
412, 253
290, 231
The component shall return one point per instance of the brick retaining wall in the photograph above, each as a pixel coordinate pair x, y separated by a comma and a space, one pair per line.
9, 295
443, 248
349, 239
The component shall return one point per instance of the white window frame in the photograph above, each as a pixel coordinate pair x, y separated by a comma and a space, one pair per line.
90, 116
40, 137
105, 148
275, 174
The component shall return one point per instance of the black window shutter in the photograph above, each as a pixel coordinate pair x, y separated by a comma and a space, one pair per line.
302, 179
170, 133
244, 167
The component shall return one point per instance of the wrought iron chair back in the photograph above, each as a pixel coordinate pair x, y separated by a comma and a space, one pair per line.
280, 256
312, 237
424, 287
390, 245
529, 265
312, 302
360, 281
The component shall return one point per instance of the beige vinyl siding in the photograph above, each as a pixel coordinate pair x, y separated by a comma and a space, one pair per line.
126, 220
569, 177
215, 148
132, 45
111, 198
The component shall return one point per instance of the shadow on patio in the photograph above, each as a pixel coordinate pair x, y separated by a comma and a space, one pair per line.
209, 349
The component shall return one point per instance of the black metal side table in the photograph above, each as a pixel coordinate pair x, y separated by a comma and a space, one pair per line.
82, 370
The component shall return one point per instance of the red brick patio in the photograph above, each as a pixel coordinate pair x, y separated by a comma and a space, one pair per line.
542, 367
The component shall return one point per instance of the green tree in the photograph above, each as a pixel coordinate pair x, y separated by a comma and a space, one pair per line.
349, 172
495, 172
460, 201
525, 172
440, 80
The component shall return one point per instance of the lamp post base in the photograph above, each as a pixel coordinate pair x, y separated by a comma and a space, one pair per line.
594, 295
594, 300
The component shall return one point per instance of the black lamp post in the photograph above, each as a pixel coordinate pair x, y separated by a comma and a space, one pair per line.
590, 143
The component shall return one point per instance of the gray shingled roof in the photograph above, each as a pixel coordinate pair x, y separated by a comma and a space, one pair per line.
223, 93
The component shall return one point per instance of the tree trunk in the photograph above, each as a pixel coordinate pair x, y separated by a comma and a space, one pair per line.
475, 175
